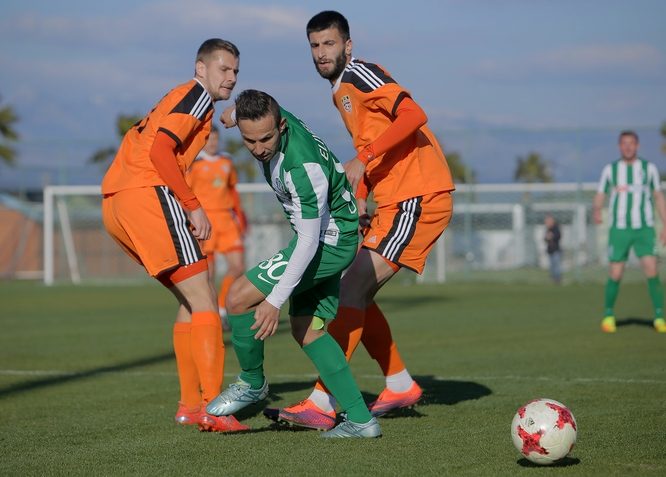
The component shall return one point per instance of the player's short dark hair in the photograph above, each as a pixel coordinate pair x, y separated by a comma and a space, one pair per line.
628, 132
214, 44
328, 19
253, 105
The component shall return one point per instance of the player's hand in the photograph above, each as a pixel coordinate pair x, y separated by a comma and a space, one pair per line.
226, 117
242, 222
266, 318
363, 216
354, 170
201, 227
597, 216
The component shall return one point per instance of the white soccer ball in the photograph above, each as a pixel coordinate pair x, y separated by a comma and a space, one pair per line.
544, 431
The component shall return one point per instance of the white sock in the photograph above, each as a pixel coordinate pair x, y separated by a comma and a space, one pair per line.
399, 382
322, 400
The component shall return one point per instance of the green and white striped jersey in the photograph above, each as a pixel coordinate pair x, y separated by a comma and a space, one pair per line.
310, 183
631, 186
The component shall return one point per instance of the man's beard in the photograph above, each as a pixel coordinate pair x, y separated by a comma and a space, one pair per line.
340, 63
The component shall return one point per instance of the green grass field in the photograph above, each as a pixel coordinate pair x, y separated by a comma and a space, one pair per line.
88, 386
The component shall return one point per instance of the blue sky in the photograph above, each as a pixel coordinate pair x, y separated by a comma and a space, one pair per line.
476, 66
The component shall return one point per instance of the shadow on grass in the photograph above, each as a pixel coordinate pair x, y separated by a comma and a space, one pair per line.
450, 392
633, 321
566, 462
36, 384
435, 392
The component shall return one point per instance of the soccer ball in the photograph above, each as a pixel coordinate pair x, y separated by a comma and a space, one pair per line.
544, 431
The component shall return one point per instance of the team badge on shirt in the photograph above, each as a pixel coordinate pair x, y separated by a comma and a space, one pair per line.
346, 103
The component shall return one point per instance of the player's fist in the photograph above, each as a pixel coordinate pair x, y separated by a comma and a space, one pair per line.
354, 170
201, 227
662, 236
228, 117
596, 213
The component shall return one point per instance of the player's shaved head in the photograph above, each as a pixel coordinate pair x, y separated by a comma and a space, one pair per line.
254, 105
212, 45
329, 19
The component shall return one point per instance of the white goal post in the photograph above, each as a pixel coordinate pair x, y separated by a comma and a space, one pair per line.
496, 232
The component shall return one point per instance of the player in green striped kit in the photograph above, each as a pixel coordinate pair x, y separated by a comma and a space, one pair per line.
635, 192
314, 192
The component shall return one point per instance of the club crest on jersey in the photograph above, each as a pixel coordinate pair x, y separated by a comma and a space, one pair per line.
346, 103
280, 189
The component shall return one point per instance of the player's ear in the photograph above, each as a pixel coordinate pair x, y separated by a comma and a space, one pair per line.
200, 68
348, 47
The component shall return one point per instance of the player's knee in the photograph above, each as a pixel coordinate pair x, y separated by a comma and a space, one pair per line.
235, 303
236, 271
354, 295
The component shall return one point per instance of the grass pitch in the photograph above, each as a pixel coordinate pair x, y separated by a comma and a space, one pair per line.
88, 386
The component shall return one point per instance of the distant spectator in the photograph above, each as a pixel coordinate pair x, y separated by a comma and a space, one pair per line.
552, 239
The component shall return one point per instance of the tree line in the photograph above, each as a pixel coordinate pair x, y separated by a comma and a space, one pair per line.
531, 167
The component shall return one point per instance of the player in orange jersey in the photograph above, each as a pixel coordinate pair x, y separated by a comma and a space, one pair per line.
400, 161
213, 179
153, 215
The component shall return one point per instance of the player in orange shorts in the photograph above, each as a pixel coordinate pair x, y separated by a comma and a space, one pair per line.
400, 161
153, 215
213, 179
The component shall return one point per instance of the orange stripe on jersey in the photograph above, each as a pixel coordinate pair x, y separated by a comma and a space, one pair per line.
367, 98
184, 114
213, 181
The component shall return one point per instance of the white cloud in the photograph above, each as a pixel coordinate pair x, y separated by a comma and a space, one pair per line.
157, 22
629, 59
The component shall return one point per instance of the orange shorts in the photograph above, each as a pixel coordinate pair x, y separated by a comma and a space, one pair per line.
226, 234
404, 233
152, 228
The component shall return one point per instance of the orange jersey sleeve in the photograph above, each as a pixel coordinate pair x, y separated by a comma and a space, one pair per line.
184, 114
213, 181
368, 98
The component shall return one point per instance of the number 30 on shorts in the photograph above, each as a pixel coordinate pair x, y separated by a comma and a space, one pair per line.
274, 267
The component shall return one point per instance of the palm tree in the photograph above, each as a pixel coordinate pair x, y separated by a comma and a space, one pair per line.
532, 168
460, 171
8, 134
124, 123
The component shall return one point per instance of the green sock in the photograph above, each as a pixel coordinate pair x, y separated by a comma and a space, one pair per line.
250, 352
334, 370
657, 295
612, 289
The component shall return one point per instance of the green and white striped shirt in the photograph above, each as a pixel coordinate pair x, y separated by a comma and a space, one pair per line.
310, 183
631, 186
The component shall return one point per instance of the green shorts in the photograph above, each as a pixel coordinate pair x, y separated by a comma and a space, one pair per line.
319, 290
620, 242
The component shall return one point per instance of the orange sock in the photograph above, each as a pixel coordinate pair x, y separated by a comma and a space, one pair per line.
227, 281
346, 329
190, 389
378, 340
208, 352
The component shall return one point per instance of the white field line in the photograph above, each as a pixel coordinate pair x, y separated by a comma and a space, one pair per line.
580, 380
